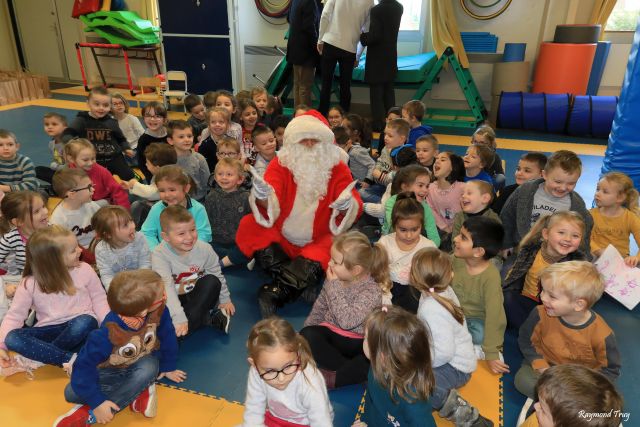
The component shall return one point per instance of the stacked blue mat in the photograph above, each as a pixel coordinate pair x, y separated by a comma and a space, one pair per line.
557, 113
479, 42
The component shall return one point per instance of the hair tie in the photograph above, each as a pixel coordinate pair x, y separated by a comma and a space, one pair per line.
385, 309
431, 290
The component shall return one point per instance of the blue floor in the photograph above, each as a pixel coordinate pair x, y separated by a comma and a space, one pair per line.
216, 364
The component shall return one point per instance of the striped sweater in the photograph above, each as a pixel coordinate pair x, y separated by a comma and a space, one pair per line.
12, 244
18, 173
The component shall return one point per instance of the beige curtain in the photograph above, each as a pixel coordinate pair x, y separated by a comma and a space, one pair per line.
601, 12
444, 30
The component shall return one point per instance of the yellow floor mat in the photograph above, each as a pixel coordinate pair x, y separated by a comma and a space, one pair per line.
38, 402
484, 391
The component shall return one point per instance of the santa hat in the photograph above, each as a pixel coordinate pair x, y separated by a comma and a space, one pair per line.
310, 125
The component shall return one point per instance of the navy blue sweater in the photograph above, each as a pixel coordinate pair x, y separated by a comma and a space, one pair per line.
98, 349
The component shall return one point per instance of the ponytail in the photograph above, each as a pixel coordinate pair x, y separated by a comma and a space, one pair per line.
379, 269
431, 274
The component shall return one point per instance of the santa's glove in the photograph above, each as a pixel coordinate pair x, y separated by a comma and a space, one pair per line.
260, 189
344, 200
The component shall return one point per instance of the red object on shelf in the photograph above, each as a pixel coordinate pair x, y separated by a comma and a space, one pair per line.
563, 68
83, 7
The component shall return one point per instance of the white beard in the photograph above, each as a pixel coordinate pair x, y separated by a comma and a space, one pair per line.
311, 167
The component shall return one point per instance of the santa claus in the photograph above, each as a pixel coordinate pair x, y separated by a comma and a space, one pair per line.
306, 197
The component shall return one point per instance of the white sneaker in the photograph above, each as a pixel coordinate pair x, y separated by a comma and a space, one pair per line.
251, 264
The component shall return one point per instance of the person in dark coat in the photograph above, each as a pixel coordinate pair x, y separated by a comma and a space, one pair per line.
304, 23
382, 58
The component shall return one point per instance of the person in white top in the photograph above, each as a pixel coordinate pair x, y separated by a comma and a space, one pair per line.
452, 354
407, 219
341, 23
284, 385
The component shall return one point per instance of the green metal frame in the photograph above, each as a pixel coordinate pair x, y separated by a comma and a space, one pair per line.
280, 83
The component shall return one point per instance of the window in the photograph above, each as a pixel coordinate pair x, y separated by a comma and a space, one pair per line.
624, 16
412, 15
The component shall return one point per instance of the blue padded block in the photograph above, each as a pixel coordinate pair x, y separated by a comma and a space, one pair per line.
597, 69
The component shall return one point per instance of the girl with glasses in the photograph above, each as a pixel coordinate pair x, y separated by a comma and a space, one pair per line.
284, 388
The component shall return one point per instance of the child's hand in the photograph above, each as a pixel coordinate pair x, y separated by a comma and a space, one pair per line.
124, 185
104, 413
374, 153
631, 261
5, 359
129, 152
359, 423
10, 290
376, 174
498, 366
182, 329
229, 307
176, 376
364, 184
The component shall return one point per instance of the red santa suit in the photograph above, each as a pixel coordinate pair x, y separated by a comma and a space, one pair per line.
302, 224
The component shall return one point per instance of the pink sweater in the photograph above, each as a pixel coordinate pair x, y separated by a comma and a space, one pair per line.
106, 187
53, 309
445, 203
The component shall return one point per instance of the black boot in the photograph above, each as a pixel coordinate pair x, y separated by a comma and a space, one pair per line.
305, 275
273, 296
271, 258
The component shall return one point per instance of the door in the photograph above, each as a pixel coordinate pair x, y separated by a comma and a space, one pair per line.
40, 37
196, 39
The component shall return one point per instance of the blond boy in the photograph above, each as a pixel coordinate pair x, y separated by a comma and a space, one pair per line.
564, 329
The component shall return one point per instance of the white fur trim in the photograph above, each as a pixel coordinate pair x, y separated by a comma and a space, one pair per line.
298, 227
348, 220
273, 210
307, 127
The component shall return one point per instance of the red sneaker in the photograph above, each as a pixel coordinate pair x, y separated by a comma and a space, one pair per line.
146, 402
78, 416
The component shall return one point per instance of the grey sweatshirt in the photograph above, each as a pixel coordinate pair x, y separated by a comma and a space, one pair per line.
177, 269
111, 261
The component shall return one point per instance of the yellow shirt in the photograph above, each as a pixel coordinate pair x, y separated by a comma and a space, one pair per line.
530, 288
532, 421
614, 230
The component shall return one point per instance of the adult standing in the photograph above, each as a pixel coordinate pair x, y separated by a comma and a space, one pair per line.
304, 25
341, 24
382, 58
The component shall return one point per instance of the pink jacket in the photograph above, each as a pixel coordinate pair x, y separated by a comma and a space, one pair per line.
53, 309
106, 187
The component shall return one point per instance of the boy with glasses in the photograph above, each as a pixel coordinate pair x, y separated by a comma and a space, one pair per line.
76, 209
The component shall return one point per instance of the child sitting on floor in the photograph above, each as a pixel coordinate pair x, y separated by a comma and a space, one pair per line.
335, 116
616, 216
284, 388
180, 136
198, 114
248, 115
407, 219
226, 204
278, 125
16, 171
476, 282
475, 201
564, 329
400, 381
358, 130
155, 116
218, 122
413, 112
173, 186
427, 151
98, 126
529, 167
135, 346
81, 154
197, 292
541, 197
75, 210
566, 391
357, 279
552, 239
360, 162
485, 135
67, 296
475, 161
119, 247
264, 143
128, 123
54, 126
445, 193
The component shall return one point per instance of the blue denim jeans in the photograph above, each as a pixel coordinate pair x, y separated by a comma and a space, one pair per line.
122, 385
373, 193
476, 329
231, 250
447, 378
52, 344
